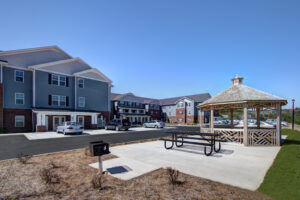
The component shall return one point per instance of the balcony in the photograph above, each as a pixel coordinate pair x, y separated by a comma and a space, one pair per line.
126, 104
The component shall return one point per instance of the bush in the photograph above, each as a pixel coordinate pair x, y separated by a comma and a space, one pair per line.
24, 158
98, 181
3, 130
173, 176
49, 176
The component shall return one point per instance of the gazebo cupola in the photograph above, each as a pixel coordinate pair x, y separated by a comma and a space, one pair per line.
240, 96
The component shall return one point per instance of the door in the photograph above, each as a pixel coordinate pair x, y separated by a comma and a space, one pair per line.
80, 120
57, 121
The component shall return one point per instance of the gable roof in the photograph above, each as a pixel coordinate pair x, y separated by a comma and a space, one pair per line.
27, 57
196, 97
239, 93
169, 101
36, 49
94, 71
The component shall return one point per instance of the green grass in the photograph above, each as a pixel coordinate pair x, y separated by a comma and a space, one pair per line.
282, 181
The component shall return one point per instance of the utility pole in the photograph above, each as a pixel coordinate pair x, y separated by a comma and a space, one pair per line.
293, 114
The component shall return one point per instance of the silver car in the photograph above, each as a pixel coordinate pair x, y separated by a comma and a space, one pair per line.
70, 127
154, 124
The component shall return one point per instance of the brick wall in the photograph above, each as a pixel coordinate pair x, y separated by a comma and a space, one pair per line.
1, 105
9, 119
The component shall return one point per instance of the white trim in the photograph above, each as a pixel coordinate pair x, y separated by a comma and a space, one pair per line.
80, 79
79, 105
49, 64
54, 72
94, 70
29, 50
16, 98
17, 67
64, 112
59, 100
3, 62
75, 88
16, 121
15, 77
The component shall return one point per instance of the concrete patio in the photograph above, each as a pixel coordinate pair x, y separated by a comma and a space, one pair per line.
235, 164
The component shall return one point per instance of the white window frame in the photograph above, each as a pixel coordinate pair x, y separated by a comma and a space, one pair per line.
58, 100
65, 100
52, 77
19, 98
65, 81
19, 76
22, 118
80, 79
81, 102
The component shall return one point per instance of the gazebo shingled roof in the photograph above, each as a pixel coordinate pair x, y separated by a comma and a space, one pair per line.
239, 93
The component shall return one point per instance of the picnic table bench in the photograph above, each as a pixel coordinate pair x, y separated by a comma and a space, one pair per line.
209, 140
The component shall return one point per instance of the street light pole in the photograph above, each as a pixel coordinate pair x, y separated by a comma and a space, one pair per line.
293, 114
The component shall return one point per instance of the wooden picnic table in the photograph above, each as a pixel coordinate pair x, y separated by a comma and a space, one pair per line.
210, 139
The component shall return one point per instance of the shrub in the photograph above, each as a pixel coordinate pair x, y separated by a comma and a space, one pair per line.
3, 130
98, 181
48, 175
173, 176
24, 158
87, 151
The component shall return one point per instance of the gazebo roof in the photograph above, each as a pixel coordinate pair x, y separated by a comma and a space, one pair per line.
241, 94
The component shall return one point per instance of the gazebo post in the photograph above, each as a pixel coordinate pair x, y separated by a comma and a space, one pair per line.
231, 118
200, 119
278, 125
212, 120
258, 117
245, 133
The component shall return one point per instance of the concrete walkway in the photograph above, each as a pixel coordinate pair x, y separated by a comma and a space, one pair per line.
236, 165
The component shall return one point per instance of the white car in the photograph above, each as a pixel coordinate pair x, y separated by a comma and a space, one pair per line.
70, 127
254, 125
154, 124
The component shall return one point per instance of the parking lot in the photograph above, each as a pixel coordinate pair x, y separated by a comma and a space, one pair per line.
50, 135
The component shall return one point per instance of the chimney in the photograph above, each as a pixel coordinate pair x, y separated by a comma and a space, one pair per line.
237, 80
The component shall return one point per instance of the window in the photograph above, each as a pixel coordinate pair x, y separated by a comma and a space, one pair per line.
19, 76
62, 80
63, 101
55, 100
180, 112
169, 113
54, 79
19, 121
179, 120
81, 102
81, 83
189, 104
19, 98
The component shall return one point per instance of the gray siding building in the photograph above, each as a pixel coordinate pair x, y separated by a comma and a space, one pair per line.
42, 87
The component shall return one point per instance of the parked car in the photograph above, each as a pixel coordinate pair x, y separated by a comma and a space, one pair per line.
154, 124
254, 124
70, 127
118, 124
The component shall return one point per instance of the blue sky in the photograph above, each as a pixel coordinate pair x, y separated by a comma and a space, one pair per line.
166, 48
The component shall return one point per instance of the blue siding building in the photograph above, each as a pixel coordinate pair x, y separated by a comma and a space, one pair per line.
42, 87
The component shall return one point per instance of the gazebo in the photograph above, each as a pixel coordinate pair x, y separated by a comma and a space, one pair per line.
239, 96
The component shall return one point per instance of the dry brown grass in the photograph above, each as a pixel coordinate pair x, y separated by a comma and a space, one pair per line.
76, 182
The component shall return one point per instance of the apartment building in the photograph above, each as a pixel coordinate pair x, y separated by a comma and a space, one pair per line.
133, 108
181, 110
42, 87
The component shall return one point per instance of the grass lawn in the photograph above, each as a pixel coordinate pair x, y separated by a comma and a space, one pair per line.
282, 181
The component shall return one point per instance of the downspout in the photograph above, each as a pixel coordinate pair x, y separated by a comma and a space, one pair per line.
33, 99
75, 96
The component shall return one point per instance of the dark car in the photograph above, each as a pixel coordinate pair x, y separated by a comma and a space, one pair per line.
118, 124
